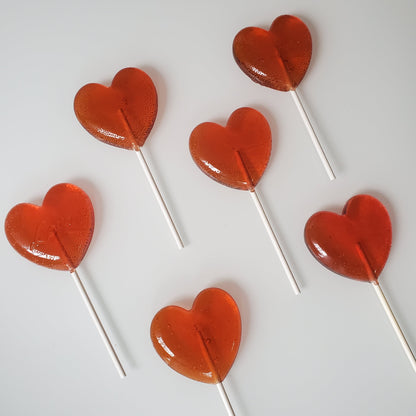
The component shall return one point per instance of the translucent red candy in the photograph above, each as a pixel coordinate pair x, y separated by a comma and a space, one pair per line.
57, 233
121, 115
277, 58
235, 155
355, 244
200, 343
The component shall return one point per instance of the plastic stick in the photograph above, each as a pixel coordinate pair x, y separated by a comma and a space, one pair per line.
159, 198
386, 306
225, 399
395, 324
152, 183
98, 324
275, 242
312, 134
266, 223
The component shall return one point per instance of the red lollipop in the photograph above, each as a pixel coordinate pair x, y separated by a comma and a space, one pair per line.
57, 235
123, 115
356, 244
278, 58
236, 156
200, 343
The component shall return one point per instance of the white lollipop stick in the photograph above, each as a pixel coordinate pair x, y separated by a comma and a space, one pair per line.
98, 324
386, 307
275, 242
225, 399
313, 135
153, 184
268, 226
159, 199
395, 324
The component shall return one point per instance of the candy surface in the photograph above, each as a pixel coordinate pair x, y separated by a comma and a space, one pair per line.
200, 343
235, 155
121, 115
277, 58
57, 233
355, 244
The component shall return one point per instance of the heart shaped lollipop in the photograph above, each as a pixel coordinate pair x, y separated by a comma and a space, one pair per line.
356, 244
200, 343
123, 115
339, 242
278, 58
236, 156
57, 235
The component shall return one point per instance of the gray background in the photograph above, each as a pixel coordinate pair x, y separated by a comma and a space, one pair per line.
329, 351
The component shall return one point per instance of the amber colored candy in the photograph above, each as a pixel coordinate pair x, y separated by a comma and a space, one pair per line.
277, 58
121, 115
57, 233
200, 343
355, 244
235, 155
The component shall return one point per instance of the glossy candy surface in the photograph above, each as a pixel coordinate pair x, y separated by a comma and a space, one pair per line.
121, 115
277, 58
235, 155
57, 233
200, 343
355, 244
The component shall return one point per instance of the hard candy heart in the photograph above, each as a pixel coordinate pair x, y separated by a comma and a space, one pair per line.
121, 115
355, 244
277, 58
200, 343
57, 233
235, 155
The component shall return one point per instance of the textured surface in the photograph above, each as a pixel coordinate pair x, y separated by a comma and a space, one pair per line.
355, 244
57, 233
200, 343
235, 155
121, 115
277, 58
